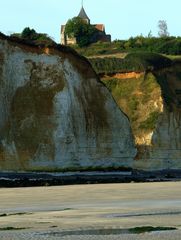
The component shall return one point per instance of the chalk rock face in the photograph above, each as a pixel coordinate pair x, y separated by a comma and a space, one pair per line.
55, 113
161, 147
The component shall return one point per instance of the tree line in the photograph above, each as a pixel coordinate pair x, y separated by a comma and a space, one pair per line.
32, 36
165, 45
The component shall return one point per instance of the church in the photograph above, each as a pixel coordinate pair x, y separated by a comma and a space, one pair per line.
100, 36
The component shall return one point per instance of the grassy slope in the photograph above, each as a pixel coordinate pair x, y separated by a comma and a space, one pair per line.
139, 99
134, 62
120, 50
99, 49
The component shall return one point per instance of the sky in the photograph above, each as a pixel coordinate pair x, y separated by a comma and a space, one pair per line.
122, 18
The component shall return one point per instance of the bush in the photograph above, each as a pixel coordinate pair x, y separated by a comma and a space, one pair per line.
172, 47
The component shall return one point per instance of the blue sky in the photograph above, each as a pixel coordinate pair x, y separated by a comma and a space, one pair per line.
122, 18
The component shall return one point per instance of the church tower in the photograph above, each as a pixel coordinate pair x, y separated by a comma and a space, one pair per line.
100, 35
83, 15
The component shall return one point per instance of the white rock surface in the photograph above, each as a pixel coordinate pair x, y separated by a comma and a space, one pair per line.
55, 114
161, 148
164, 151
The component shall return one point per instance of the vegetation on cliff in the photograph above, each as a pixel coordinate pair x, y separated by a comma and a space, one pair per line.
163, 45
137, 97
32, 36
148, 90
133, 62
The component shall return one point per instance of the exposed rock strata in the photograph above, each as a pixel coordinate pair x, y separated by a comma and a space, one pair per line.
55, 113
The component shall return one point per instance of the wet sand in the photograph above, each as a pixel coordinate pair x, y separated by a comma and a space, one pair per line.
105, 211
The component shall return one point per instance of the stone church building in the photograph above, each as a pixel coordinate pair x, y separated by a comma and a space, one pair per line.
100, 36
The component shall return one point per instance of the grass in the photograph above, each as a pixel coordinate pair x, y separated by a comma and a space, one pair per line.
145, 229
167, 46
109, 65
149, 83
150, 122
135, 97
148, 61
99, 48
133, 62
173, 57
133, 104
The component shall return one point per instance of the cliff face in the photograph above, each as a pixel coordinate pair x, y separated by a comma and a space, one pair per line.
56, 114
153, 103
163, 151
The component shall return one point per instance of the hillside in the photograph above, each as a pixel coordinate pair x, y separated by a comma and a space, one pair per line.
148, 90
137, 62
165, 45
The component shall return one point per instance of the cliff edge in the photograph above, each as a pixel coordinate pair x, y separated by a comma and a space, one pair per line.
56, 114
151, 97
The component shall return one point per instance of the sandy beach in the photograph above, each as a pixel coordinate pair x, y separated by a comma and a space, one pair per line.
100, 211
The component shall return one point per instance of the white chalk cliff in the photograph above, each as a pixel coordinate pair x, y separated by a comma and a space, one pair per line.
55, 113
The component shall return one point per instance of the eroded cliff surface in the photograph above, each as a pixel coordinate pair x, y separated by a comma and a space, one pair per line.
152, 100
55, 113
164, 148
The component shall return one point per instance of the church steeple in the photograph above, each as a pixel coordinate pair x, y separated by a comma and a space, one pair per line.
83, 15
102, 36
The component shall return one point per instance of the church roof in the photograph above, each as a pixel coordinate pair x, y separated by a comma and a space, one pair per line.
83, 14
100, 27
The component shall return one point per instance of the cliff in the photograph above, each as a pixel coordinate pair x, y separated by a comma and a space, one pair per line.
56, 114
152, 100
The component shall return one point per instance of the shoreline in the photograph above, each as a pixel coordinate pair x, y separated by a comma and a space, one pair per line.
33, 179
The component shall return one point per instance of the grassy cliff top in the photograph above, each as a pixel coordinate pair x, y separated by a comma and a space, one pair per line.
133, 62
163, 45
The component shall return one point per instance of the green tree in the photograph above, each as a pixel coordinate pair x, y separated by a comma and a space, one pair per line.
33, 36
28, 33
83, 32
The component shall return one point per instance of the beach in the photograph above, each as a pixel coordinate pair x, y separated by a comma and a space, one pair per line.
99, 211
